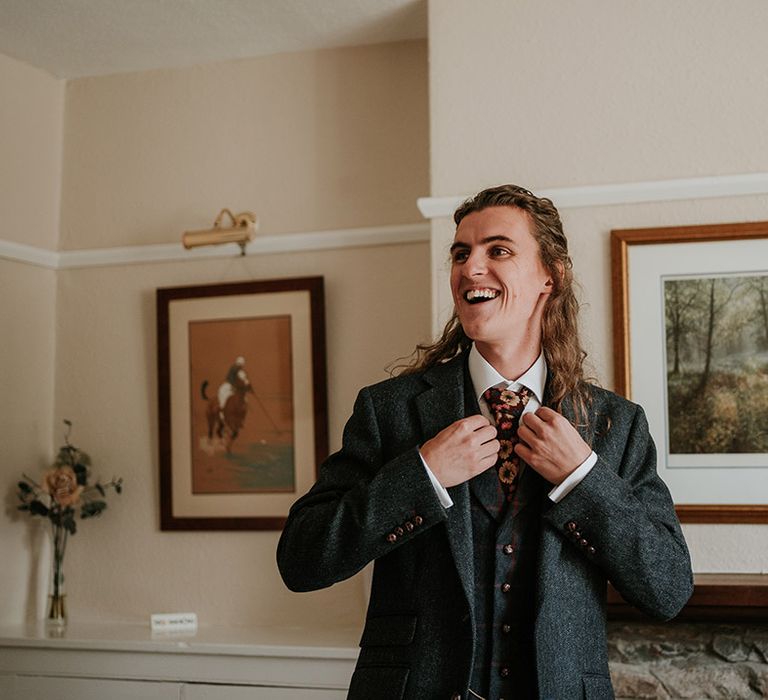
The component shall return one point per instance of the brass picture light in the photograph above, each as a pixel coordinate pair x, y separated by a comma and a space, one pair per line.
241, 231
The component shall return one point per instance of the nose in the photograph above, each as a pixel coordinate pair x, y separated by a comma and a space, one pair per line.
474, 265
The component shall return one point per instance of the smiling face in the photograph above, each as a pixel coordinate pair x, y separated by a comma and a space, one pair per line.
498, 282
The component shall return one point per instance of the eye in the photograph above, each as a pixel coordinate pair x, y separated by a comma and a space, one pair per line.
499, 252
459, 255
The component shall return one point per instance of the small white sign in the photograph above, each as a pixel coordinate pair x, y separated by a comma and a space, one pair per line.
173, 622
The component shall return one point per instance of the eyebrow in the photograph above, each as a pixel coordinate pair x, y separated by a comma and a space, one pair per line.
484, 241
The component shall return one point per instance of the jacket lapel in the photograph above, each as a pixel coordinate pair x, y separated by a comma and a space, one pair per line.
550, 549
439, 406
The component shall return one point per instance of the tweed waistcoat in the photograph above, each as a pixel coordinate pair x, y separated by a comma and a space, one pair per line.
505, 541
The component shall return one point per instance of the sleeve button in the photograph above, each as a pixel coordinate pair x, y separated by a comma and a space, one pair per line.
409, 526
399, 531
391, 537
583, 542
571, 526
591, 550
418, 520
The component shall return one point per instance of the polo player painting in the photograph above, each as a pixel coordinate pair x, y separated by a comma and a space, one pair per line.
241, 405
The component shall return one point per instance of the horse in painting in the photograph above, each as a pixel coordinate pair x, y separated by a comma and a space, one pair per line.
227, 420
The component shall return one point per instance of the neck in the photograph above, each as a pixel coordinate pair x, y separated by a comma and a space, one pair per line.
511, 359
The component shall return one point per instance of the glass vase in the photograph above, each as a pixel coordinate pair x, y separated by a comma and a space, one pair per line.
57, 610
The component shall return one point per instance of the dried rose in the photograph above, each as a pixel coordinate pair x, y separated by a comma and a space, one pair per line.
61, 484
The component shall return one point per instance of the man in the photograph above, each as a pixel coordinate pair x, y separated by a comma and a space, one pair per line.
493, 534
227, 387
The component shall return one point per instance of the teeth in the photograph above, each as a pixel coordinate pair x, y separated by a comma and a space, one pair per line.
473, 294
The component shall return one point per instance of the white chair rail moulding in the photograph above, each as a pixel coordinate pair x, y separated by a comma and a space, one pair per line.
261, 245
625, 193
96, 661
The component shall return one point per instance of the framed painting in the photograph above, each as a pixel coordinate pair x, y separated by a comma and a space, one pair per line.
242, 401
690, 307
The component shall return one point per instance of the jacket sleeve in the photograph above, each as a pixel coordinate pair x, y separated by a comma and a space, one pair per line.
622, 518
364, 505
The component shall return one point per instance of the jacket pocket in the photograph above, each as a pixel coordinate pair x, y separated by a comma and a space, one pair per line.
378, 683
389, 630
597, 687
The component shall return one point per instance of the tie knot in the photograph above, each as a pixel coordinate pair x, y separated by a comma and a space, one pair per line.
507, 401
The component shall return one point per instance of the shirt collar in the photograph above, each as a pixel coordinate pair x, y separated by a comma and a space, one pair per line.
484, 375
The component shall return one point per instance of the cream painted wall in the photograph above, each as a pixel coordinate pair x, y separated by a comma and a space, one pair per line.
31, 125
31, 119
551, 94
27, 319
309, 141
312, 141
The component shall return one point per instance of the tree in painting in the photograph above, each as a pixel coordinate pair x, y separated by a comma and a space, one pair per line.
717, 364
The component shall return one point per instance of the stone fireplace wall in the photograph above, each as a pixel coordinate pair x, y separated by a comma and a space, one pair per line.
689, 660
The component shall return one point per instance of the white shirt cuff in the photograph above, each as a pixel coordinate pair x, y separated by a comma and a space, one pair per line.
572, 480
442, 494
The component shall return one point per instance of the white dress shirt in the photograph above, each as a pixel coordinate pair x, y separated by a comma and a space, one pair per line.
484, 376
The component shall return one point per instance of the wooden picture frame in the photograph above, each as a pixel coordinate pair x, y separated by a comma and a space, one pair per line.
651, 270
242, 400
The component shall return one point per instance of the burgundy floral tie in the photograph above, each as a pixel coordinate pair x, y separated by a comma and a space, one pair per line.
507, 407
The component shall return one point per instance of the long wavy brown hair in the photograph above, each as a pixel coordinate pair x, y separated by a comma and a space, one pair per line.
560, 332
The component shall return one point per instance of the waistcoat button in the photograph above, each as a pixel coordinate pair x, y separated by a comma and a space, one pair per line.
508, 549
505, 587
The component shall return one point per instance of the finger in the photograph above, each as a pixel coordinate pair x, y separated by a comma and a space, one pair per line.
486, 463
524, 452
526, 435
547, 414
532, 422
490, 449
474, 422
483, 435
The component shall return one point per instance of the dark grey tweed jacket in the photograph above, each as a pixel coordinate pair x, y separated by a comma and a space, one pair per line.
373, 501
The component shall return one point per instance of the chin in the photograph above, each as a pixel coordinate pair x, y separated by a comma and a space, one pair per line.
476, 333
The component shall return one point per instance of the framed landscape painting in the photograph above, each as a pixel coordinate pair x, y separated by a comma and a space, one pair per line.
242, 401
691, 346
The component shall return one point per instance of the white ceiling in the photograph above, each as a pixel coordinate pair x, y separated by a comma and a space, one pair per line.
77, 38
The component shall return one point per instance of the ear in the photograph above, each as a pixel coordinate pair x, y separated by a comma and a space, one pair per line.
553, 280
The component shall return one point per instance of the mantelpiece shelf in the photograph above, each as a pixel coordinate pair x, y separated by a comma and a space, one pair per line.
716, 597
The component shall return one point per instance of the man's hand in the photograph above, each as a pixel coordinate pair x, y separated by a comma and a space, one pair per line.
462, 450
550, 444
